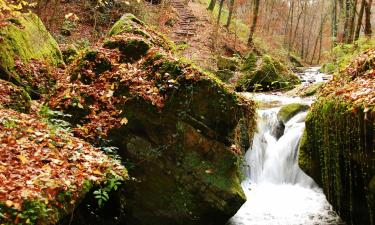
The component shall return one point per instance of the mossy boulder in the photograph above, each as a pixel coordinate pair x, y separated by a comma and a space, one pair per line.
288, 111
227, 63
69, 53
182, 131
224, 75
24, 39
129, 24
14, 97
266, 74
338, 147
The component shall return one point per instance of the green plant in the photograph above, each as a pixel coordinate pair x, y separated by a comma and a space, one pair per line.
54, 118
9, 123
111, 184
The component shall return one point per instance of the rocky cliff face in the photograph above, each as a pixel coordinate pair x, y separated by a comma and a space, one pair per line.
338, 148
180, 130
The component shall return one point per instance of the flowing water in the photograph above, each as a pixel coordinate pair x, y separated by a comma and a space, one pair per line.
277, 190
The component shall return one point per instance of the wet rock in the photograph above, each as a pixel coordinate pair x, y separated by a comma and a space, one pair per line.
338, 146
290, 110
181, 130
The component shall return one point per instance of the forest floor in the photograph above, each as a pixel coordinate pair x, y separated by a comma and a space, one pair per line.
202, 40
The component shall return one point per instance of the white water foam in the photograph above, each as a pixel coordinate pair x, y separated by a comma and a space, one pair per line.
278, 191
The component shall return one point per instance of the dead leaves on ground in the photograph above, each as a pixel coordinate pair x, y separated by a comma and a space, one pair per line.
356, 83
37, 162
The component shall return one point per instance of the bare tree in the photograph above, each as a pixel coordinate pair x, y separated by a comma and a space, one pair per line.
212, 5
360, 18
254, 23
231, 9
368, 30
220, 11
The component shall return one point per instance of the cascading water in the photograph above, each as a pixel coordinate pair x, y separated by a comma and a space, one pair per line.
278, 191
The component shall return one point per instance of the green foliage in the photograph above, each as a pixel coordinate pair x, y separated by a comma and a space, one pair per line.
55, 118
340, 56
82, 44
32, 213
111, 184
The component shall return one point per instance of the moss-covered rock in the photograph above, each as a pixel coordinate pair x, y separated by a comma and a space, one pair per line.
338, 148
129, 24
181, 130
227, 63
224, 75
23, 39
69, 53
267, 74
288, 111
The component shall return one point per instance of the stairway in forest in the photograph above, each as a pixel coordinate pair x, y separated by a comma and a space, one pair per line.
186, 26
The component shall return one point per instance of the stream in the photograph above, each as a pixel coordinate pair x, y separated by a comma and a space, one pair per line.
277, 190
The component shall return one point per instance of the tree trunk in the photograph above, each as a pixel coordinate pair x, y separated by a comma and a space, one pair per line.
318, 37
303, 31
220, 11
352, 19
347, 21
359, 22
291, 26
368, 30
254, 23
212, 5
334, 23
231, 9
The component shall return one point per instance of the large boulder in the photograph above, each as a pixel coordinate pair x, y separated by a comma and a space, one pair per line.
264, 73
338, 148
181, 131
24, 40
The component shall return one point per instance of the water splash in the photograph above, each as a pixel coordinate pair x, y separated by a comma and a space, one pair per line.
278, 191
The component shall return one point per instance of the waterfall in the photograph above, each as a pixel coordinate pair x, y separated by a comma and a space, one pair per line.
278, 191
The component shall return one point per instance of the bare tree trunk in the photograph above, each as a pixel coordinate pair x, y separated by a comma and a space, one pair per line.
270, 20
303, 30
212, 5
359, 21
368, 30
297, 26
318, 37
287, 27
291, 26
220, 10
347, 21
334, 23
352, 19
254, 23
309, 39
231, 9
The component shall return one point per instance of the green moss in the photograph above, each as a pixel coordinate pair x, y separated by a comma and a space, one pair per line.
269, 74
26, 40
226, 63
224, 75
125, 25
131, 50
250, 62
342, 54
336, 153
290, 110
